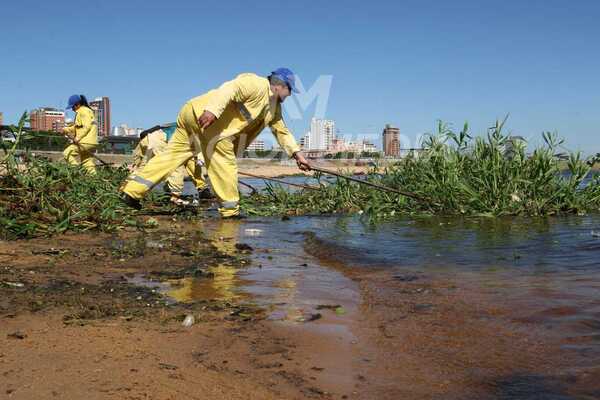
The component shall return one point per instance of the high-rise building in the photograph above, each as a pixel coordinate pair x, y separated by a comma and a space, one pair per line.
47, 119
321, 135
1, 119
101, 108
391, 141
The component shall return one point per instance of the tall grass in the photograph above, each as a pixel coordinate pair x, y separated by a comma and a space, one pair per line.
460, 174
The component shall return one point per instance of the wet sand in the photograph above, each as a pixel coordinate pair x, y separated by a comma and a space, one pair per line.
78, 327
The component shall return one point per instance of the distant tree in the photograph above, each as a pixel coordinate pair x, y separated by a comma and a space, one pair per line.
370, 154
262, 153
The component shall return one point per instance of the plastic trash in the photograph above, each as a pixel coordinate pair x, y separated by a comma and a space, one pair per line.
14, 284
188, 321
252, 232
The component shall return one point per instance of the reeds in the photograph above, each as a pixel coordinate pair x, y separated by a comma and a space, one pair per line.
489, 175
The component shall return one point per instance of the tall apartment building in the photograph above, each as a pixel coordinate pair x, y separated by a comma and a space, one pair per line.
321, 135
47, 119
1, 119
391, 141
101, 108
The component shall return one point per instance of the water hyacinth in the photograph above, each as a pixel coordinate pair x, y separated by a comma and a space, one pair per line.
459, 174
40, 197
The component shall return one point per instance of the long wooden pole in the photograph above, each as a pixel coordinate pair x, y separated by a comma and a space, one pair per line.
278, 181
371, 184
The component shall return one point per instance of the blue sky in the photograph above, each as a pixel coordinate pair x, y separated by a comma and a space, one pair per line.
408, 63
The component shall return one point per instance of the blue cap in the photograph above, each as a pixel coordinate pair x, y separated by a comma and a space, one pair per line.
287, 76
73, 100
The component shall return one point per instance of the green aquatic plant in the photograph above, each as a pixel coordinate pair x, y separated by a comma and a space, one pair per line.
456, 173
40, 197
459, 174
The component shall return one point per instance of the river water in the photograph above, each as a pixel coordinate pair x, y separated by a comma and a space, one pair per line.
547, 270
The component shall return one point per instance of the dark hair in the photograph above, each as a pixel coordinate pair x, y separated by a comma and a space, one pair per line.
83, 101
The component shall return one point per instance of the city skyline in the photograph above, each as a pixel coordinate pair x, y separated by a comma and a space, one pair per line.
322, 131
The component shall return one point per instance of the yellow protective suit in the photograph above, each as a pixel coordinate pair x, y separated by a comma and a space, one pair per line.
156, 143
243, 107
85, 131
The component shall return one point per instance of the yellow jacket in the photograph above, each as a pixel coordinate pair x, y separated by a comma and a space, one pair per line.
85, 127
244, 106
139, 153
148, 147
151, 145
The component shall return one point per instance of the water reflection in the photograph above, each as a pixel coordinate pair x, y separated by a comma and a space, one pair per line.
218, 282
223, 286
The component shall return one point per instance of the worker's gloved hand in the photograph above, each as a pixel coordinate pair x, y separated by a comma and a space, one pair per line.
206, 119
302, 162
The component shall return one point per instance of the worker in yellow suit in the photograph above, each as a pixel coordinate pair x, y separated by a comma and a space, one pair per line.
220, 122
83, 134
153, 142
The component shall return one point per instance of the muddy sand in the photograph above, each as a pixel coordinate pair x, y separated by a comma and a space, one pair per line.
86, 316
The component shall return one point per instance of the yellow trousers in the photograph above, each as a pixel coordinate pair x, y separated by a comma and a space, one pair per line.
81, 155
175, 180
219, 156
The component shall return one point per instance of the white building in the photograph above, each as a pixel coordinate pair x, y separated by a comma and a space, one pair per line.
321, 135
368, 146
305, 141
124, 130
257, 145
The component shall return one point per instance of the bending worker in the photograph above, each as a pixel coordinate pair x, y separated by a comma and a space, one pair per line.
153, 142
83, 134
222, 121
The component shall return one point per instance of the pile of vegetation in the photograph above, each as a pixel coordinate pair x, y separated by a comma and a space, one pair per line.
40, 197
457, 174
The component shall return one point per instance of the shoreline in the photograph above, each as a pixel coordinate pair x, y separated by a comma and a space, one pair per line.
262, 166
78, 328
